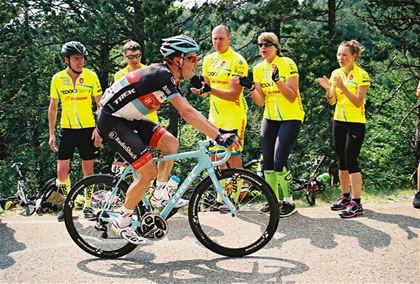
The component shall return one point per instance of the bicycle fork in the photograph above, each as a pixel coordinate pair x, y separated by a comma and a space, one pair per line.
221, 192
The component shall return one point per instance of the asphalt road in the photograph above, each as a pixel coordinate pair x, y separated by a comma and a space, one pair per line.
314, 245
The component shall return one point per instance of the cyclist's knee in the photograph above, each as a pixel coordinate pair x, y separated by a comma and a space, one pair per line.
148, 172
168, 144
63, 168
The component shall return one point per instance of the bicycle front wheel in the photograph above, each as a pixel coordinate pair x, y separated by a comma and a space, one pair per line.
94, 235
250, 229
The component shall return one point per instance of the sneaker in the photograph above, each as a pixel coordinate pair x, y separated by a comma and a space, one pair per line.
341, 203
129, 234
60, 216
266, 208
89, 214
416, 201
352, 210
287, 209
165, 197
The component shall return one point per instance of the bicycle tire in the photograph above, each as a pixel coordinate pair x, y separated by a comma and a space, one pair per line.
97, 243
28, 209
310, 193
215, 231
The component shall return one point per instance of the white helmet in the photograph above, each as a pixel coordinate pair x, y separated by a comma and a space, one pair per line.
178, 44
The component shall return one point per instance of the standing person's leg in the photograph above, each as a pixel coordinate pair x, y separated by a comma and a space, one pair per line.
287, 135
88, 153
340, 130
65, 153
416, 201
269, 129
354, 141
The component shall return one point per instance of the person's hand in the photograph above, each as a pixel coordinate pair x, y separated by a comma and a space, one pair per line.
275, 75
338, 81
197, 81
97, 138
324, 82
228, 140
51, 144
200, 86
246, 83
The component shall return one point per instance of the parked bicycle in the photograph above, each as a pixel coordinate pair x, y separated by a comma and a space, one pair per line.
239, 230
311, 183
21, 198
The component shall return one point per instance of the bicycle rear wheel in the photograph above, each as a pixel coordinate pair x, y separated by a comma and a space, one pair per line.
243, 234
95, 237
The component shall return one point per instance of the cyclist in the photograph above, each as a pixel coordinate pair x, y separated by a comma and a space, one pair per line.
277, 88
347, 88
74, 88
132, 56
121, 121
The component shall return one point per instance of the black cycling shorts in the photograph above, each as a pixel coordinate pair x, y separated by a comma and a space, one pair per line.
70, 139
130, 138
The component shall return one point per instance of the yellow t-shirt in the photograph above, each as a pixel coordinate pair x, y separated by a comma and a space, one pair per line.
277, 106
220, 68
153, 116
345, 110
76, 101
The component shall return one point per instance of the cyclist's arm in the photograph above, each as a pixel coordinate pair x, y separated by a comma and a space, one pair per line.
52, 119
194, 117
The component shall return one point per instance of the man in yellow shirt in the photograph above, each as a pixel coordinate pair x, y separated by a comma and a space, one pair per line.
227, 104
132, 56
74, 88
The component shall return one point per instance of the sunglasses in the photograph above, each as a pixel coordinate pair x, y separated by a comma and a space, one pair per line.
192, 58
131, 57
265, 44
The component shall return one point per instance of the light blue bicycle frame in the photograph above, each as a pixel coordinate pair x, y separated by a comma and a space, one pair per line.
204, 163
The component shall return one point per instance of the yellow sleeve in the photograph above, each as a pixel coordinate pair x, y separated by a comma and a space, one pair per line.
364, 79
257, 74
97, 89
292, 69
205, 67
53, 88
240, 67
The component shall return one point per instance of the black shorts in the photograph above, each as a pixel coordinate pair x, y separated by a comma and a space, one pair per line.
130, 138
77, 138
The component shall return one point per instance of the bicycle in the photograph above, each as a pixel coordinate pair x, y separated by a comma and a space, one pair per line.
239, 230
312, 184
20, 198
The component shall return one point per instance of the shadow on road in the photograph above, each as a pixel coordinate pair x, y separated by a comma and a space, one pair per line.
322, 232
8, 244
404, 222
252, 269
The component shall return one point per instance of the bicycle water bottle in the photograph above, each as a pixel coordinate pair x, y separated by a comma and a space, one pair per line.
324, 178
171, 186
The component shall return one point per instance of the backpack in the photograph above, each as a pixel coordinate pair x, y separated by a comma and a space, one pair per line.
50, 198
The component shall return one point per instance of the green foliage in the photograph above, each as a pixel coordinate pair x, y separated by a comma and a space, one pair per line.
33, 32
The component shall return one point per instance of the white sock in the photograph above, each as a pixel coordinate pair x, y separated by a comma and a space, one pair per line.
160, 186
125, 219
289, 199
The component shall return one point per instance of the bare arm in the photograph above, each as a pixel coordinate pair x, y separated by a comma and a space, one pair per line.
289, 88
356, 99
330, 94
52, 119
258, 96
194, 117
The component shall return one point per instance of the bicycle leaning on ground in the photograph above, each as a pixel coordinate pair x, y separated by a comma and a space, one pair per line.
21, 198
239, 230
312, 183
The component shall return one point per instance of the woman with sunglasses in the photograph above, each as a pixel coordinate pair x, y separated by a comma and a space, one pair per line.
346, 89
276, 87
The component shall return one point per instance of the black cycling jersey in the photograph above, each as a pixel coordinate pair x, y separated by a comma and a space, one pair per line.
140, 92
